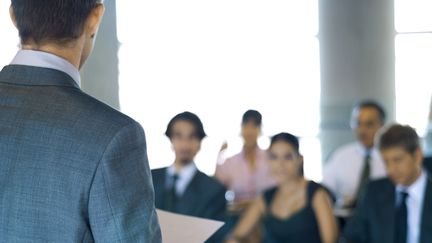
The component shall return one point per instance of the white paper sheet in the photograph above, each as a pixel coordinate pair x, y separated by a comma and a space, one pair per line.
186, 229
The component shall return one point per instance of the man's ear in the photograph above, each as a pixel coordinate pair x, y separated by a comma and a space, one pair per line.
94, 19
418, 156
12, 16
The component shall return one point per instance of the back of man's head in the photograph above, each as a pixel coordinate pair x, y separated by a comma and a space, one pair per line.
57, 21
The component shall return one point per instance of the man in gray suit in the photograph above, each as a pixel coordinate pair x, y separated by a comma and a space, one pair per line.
72, 169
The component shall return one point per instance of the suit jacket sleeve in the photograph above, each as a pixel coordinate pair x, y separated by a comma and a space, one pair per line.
217, 210
357, 229
121, 202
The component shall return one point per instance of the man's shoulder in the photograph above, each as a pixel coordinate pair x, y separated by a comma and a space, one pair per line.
344, 151
100, 112
158, 172
380, 182
380, 186
209, 182
348, 148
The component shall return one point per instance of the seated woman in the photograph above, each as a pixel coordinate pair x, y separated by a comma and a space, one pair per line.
297, 210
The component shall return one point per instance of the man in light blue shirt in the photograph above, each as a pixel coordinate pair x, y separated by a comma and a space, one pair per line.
72, 168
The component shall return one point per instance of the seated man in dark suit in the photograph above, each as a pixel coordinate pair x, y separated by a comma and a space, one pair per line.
181, 187
398, 208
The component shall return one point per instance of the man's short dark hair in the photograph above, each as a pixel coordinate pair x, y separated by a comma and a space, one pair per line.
372, 104
252, 116
399, 136
189, 117
44, 20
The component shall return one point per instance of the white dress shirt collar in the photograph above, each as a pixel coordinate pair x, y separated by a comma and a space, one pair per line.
185, 176
46, 60
363, 150
415, 190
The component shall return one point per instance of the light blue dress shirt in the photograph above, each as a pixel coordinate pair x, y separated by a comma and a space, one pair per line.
46, 60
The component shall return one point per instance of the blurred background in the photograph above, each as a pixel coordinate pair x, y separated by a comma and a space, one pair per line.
302, 64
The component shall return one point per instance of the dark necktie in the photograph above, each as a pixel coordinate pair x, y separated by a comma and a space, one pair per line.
364, 178
171, 194
401, 223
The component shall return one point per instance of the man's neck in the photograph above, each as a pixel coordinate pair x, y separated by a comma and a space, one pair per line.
179, 165
414, 178
71, 52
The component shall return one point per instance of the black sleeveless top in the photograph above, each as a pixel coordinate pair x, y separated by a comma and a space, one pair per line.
300, 227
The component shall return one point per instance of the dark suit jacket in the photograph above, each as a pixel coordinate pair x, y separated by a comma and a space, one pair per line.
427, 164
72, 169
204, 196
374, 218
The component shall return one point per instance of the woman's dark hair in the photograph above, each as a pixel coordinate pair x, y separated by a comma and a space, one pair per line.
252, 116
51, 20
399, 136
189, 117
286, 137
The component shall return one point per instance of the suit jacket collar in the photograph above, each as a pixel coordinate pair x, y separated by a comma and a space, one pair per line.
426, 220
185, 176
35, 76
189, 201
193, 187
386, 201
46, 60
387, 205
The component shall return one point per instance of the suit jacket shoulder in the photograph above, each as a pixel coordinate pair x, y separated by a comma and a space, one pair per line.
159, 172
207, 182
426, 221
374, 216
204, 197
76, 158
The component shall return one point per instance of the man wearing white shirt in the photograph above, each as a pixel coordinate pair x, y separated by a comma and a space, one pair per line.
353, 165
397, 209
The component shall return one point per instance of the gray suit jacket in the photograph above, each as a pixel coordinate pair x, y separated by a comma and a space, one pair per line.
72, 169
374, 218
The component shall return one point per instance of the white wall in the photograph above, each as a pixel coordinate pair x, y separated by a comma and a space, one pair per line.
357, 61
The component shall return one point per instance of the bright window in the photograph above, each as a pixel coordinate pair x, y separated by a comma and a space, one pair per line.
413, 45
218, 59
9, 35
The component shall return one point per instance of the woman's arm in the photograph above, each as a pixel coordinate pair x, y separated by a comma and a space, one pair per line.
249, 219
327, 224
